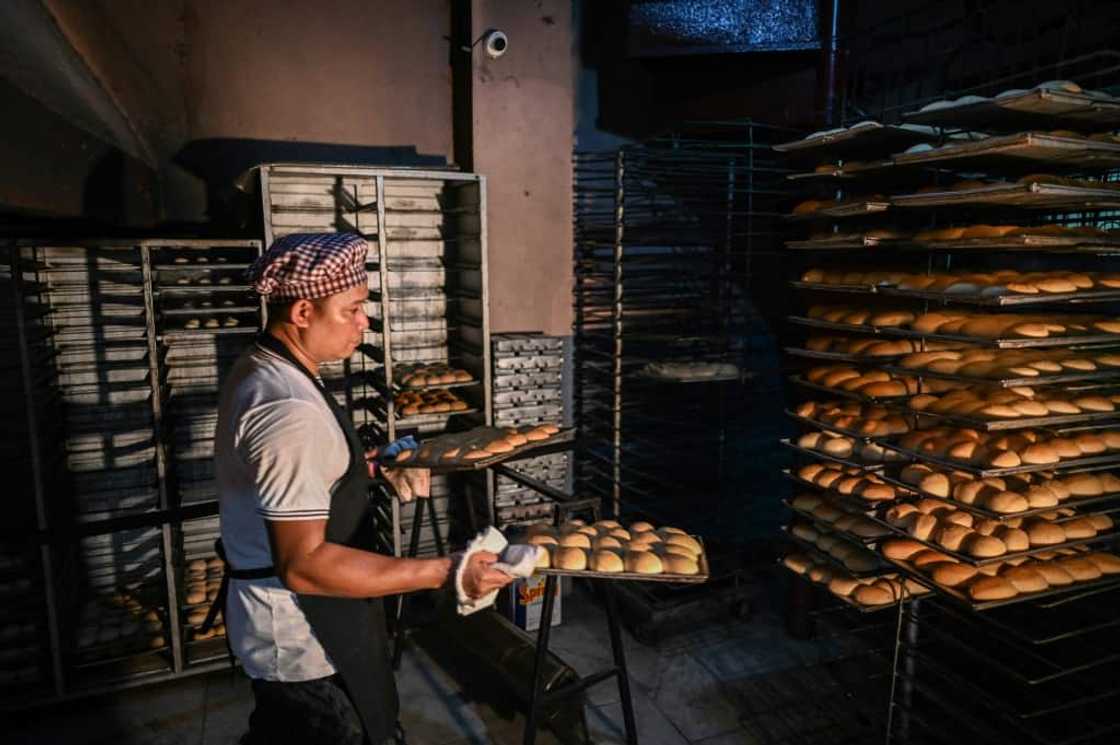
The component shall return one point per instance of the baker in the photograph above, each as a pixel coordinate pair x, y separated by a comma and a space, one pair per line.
304, 611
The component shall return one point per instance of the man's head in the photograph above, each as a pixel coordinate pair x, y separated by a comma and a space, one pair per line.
316, 287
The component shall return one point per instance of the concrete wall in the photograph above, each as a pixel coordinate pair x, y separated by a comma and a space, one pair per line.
524, 118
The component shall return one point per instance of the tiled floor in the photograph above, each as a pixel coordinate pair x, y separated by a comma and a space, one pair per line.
730, 682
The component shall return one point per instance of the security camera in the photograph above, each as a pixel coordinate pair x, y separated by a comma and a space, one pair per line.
496, 43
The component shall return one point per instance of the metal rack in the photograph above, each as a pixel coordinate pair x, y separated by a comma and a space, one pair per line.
1042, 669
429, 299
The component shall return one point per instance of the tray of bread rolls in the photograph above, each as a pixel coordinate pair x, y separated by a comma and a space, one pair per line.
851, 418
1043, 575
608, 550
874, 385
1060, 148
856, 487
850, 522
884, 591
830, 547
1048, 104
996, 409
997, 454
944, 527
867, 136
421, 376
479, 447
1005, 287
1046, 238
1019, 496
1015, 368
1035, 191
1001, 330
814, 209
847, 241
842, 450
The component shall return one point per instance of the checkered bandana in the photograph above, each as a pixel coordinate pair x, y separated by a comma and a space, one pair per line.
310, 266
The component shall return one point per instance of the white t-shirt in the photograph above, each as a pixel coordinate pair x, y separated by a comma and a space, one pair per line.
278, 454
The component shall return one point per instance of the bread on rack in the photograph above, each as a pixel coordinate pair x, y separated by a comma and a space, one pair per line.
865, 420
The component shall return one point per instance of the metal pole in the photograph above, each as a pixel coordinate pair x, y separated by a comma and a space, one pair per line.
833, 54
41, 517
161, 460
619, 228
536, 692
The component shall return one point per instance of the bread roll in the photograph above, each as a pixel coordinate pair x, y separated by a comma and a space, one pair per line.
936, 484
1014, 539
606, 561
1083, 485
643, 562
575, 540
1004, 502
1090, 444
642, 527
876, 492
1038, 454
1100, 522
901, 549
799, 563
1025, 579
1081, 569
1054, 575
951, 574
806, 502
983, 546
929, 557
843, 586
544, 558
1106, 563
873, 595
1042, 533
570, 558
543, 539
1079, 529
606, 542
645, 538
991, 588
686, 542
952, 536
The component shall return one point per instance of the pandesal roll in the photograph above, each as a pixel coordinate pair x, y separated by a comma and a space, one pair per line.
543, 539
841, 447
666, 530
1041, 495
645, 538
799, 563
587, 530
1105, 562
1080, 568
570, 557
675, 564
806, 502
544, 557
686, 542
1083, 485
575, 540
621, 534
1014, 539
1025, 579
983, 546
1054, 575
821, 573
1064, 447
950, 574
642, 526
843, 586
1101, 522
1094, 403
874, 595
643, 562
936, 484
606, 542
1043, 533
1079, 529
950, 536
991, 588
828, 477
1090, 444
606, 561
1004, 502
929, 557
901, 549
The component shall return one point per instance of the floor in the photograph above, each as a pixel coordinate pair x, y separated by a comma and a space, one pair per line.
726, 683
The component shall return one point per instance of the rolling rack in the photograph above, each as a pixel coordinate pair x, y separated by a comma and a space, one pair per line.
429, 304
667, 234
117, 424
1040, 667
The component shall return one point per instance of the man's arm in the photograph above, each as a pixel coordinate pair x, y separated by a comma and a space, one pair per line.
308, 564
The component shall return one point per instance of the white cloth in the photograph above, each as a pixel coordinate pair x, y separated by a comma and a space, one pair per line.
515, 560
278, 454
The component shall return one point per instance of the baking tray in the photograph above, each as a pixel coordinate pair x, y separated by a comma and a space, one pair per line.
827, 558
851, 538
1062, 243
844, 243
1041, 108
865, 137
1031, 195
844, 209
846, 601
1034, 422
564, 436
1072, 503
1104, 582
841, 356
817, 455
1014, 300
853, 503
1061, 466
1016, 343
878, 400
691, 579
836, 174
433, 417
1105, 537
1026, 148
826, 427
1096, 376
821, 287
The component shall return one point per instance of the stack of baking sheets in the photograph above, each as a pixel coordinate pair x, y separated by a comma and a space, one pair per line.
100, 341
205, 317
528, 376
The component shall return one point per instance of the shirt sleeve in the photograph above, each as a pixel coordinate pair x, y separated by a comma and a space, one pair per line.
282, 443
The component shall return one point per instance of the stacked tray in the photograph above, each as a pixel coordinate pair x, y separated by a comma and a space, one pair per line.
489, 445
529, 394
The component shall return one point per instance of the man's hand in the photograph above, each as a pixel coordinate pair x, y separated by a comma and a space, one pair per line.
407, 482
479, 578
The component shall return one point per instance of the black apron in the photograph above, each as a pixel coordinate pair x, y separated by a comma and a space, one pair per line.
352, 631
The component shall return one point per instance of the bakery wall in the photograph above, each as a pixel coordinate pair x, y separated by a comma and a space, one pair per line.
523, 121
